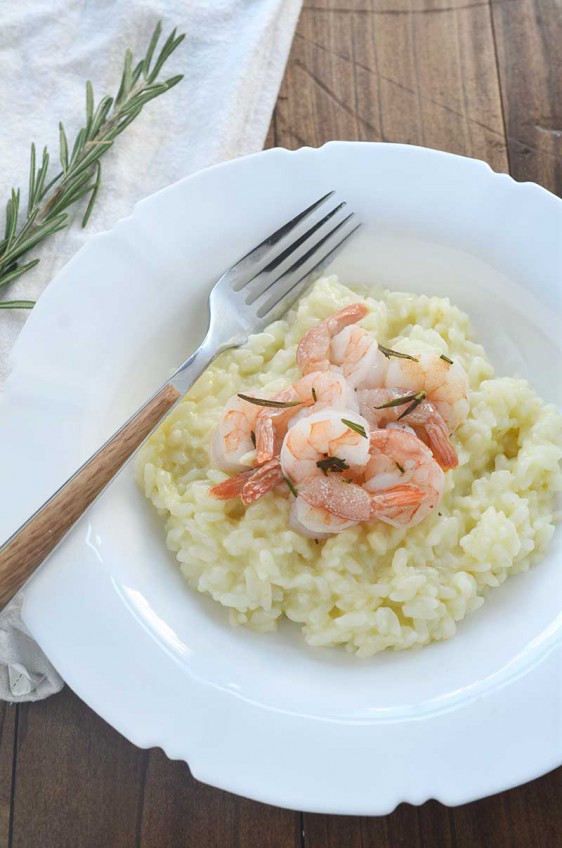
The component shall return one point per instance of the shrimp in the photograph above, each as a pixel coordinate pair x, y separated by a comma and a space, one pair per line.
315, 522
232, 447
444, 382
357, 353
313, 352
400, 458
424, 420
305, 454
251, 484
327, 505
317, 390
322, 437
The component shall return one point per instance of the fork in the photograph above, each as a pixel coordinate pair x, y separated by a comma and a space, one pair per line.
255, 291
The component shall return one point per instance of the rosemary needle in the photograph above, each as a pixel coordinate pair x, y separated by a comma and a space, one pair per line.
388, 352
276, 404
291, 486
416, 402
357, 428
403, 399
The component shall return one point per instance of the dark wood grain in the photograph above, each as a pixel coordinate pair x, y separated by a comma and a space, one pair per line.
77, 781
399, 830
79, 784
420, 72
529, 49
527, 817
206, 817
477, 77
8, 716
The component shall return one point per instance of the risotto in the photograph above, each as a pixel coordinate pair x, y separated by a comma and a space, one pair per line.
372, 586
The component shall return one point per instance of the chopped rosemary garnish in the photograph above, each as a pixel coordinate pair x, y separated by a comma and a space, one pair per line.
276, 404
316, 542
446, 358
314, 394
292, 489
331, 463
253, 437
399, 467
388, 352
357, 428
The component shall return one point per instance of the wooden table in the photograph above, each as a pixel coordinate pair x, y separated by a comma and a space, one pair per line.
481, 78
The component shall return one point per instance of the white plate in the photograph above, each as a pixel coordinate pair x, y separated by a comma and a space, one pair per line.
266, 716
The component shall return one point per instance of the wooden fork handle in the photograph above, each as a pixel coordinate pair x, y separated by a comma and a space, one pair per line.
34, 541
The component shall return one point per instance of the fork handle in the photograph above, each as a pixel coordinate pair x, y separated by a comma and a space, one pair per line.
34, 541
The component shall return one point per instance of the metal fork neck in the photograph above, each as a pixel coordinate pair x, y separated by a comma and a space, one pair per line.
193, 367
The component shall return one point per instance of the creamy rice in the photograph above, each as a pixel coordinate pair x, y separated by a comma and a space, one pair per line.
372, 586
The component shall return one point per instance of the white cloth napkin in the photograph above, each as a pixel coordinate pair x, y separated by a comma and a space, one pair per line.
233, 60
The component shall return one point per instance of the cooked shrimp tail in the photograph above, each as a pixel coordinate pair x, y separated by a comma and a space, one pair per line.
271, 423
263, 480
397, 497
250, 485
265, 439
440, 443
231, 487
313, 352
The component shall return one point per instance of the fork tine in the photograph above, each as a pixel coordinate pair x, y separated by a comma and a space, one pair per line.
250, 260
259, 284
291, 284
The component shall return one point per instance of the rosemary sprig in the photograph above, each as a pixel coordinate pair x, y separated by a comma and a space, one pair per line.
388, 352
357, 428
276, 404
331, 463
80, 175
